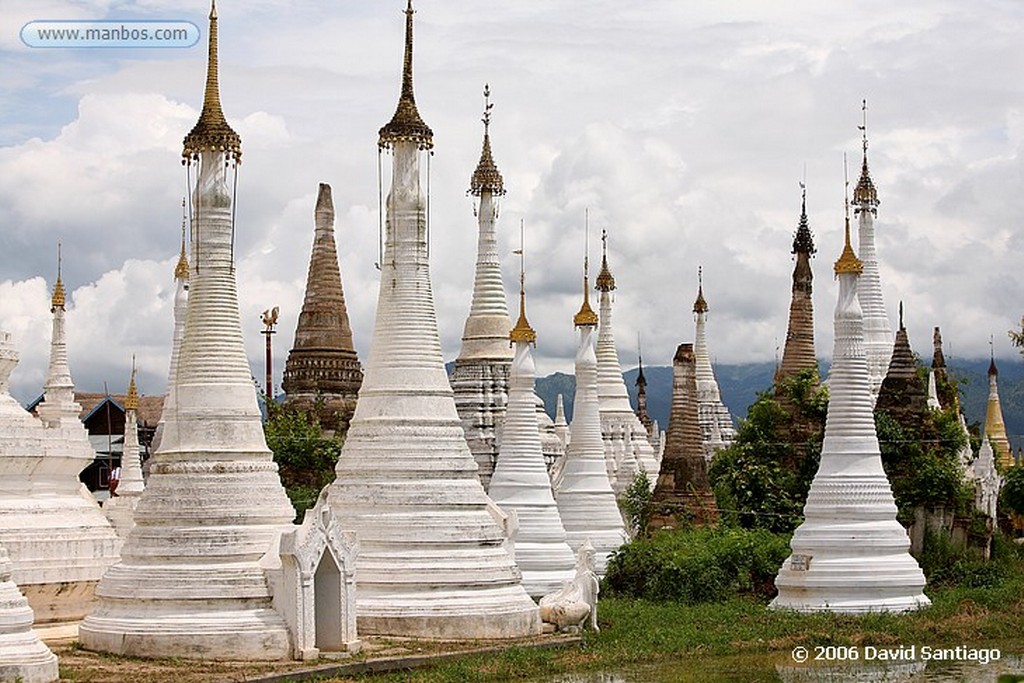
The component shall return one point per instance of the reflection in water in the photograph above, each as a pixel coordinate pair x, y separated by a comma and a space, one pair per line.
758, 668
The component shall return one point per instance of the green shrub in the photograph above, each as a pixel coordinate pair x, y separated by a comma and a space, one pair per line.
698, 565
946, 563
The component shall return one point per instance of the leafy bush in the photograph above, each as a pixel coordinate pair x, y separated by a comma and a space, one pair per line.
946, 563
1011, 497
636, 503
699, 565
305, 458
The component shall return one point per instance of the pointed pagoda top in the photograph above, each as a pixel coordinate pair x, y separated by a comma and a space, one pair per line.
865, 195
131, 400
992, 370
641, 381
700, 305
938, 358
848, 261
406, 124
604, 282
586, 317
212, 132
803, 241
486, 177
181, 269
58, 287
522, 332
902, 327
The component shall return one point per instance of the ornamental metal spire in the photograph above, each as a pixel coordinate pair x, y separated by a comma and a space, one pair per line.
700, 305
803, 241
848, 261
865, 196
586, 317
212, 132
522, 332
486, 177
131, 400
181, 270
604, 282
58, 287
406, 124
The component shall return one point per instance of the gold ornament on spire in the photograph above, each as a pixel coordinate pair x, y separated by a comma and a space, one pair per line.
58, 287
131, 400
848, 261
406, 125
486, 177
212, 132
522, 332
586, 317
700, 305
604, 282
865, 195
181, 270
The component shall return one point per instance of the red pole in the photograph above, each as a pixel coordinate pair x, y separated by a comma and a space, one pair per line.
269, 320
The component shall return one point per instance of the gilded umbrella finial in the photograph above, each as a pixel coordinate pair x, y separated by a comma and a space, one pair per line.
848, 261
131, 400
700, 305
212, 132
181, 270
803, 241
58, 287
486, 177
522, 332
586, 317
604, 282
406, 124
865, 195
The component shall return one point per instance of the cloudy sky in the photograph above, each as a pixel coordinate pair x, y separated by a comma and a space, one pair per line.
684, 127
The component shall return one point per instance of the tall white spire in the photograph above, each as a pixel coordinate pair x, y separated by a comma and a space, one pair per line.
190, 582
521, 484
431, 560
850, 554
181, 272
59, 407
120, 508
480, 375
711, 412
583, 491
877, 328
619, 424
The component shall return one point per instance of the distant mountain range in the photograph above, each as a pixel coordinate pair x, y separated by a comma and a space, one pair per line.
741, 383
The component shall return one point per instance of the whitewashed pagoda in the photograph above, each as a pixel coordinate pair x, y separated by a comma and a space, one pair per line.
180, 311
120, 508
877, 328
480, 376
561, 426
55, 533
322, 374
583, 491
850, 555
619, 424
190, 583
711, 412
431, 562
995, 426
521, 484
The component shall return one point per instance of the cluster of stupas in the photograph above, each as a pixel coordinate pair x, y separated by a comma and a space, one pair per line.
458, 502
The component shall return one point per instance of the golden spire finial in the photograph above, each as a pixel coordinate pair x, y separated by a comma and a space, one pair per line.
486, 177
406, 124
181, 270
522, 332
865, 195
212, 132
586, 317
700, 305
131, 400
848, 261
604, 282
58, 287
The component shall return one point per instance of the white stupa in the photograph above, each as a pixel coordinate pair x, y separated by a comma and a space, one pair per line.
57, 537
850, 554
561, 426
120, 508
583, 491
521, 484
480, 376
986, 479
431, 560
180, 311
23, 657
878, 333
711, 412
190, 583
550, 443
619, 424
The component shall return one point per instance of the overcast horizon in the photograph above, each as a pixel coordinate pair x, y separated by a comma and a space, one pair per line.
684, 128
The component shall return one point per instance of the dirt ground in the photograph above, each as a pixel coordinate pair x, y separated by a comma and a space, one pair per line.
81, 666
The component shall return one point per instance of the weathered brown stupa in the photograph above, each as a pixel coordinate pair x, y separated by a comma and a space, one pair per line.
683, 491
323, 370
946, 392
798, 354
903, 394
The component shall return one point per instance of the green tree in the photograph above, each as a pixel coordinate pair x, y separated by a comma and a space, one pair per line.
636, 503
1011, 497
762, 479
304, 456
